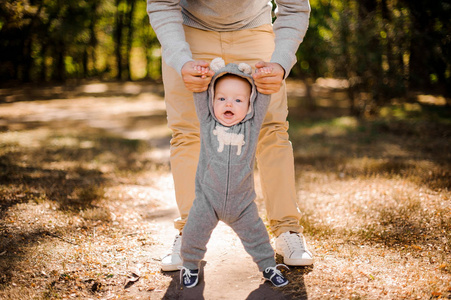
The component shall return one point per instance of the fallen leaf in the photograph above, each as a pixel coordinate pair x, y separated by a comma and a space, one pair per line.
417, 247
436, 294
134, 278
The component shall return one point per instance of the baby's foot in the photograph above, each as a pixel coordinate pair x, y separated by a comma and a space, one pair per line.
275, 276
189, 278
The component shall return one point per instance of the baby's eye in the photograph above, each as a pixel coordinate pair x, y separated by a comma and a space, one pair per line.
221, 99
238, 100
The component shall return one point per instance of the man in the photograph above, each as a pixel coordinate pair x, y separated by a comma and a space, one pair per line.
194, 32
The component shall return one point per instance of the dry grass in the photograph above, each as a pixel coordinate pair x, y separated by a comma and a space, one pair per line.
376, 202
77, 194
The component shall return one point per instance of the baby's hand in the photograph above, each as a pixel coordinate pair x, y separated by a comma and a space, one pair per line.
202, 70
265, 70
196, 75
269, 77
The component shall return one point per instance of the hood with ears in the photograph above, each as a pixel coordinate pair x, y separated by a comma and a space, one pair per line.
242, 70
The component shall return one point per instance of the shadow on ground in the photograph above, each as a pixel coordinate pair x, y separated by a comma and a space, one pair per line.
265, 290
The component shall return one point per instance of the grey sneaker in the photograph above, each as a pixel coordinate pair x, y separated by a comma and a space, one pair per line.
173, 260
292, 246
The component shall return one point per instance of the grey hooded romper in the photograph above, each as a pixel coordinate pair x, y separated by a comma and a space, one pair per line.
225, 181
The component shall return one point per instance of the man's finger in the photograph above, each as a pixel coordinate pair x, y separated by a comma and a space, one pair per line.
197, 83
260, 64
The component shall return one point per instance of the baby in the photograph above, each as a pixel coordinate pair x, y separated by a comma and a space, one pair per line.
230, 113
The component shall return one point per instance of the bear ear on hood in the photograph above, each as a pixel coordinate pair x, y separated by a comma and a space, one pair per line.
245, 68
217, 64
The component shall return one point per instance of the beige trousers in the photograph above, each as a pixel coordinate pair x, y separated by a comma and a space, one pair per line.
274, 151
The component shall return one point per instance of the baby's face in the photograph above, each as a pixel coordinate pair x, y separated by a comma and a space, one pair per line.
231, 100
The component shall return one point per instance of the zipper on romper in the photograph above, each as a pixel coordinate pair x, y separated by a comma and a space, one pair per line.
227, 179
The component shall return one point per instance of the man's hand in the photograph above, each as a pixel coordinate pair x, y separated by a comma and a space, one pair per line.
268, 82
196, 75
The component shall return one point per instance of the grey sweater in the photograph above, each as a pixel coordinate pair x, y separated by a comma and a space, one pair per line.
167, 17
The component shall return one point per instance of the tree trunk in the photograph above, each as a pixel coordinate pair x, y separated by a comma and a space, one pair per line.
130, 29
59, 68
118, 39
92, 37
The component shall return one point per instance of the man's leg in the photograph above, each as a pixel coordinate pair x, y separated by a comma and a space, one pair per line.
182, 120
185, 142
274, 152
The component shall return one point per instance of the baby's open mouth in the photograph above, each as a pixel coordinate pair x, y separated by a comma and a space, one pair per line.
228, 113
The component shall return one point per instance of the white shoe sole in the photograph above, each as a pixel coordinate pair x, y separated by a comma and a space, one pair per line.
297, 262
170, 266
280, 285
301, 262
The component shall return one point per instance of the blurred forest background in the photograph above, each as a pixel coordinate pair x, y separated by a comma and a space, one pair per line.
385, 49
86, 193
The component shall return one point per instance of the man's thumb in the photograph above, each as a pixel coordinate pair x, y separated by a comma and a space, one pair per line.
260, 64
203, 63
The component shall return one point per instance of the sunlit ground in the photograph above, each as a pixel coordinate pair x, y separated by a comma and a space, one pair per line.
84, 170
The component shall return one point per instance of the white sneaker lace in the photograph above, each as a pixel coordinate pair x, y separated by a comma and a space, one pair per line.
294, 241
185, 272
177, 244
275, 270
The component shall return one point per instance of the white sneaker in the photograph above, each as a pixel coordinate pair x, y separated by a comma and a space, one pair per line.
292, 246
173, 260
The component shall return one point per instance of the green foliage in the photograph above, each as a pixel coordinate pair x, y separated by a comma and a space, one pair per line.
314, 55
385, 48
60, 40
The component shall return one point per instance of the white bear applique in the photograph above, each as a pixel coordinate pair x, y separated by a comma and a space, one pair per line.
228, 138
